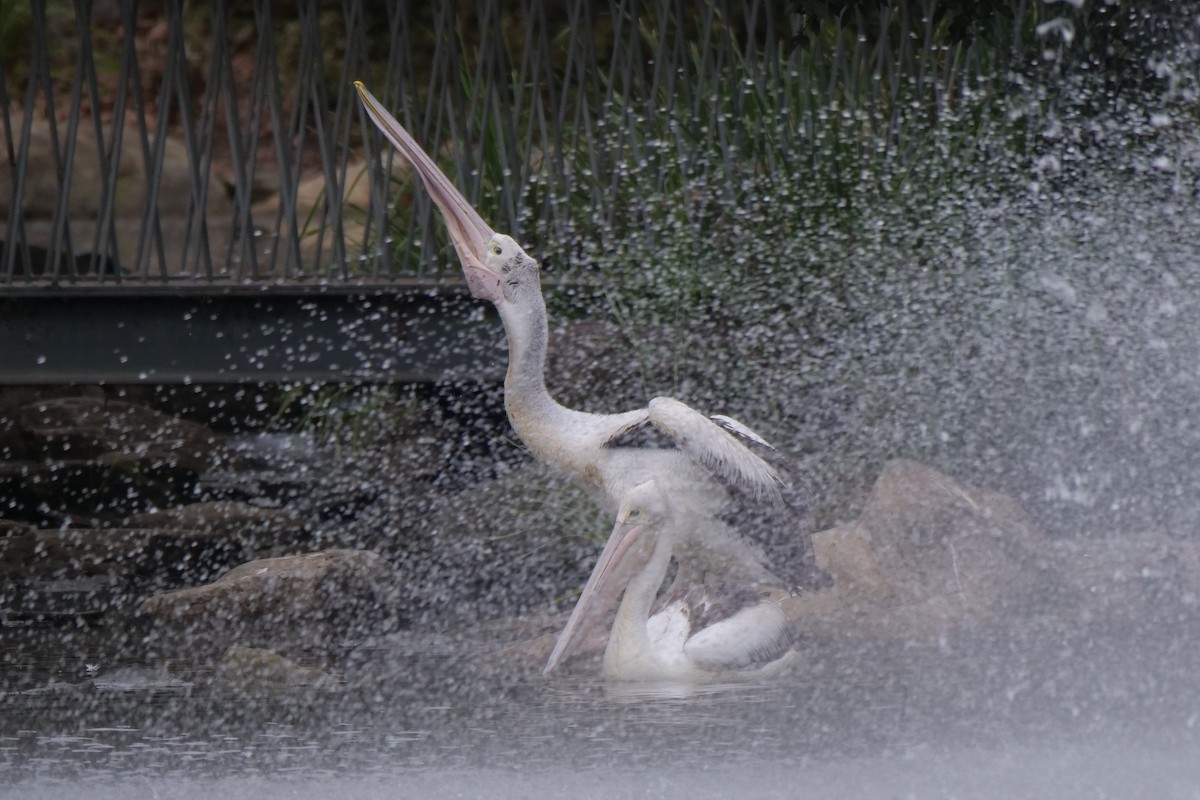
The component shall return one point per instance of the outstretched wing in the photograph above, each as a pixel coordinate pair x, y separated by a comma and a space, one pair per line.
781, 530
718, 444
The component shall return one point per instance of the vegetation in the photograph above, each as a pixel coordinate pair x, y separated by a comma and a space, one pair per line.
645, 148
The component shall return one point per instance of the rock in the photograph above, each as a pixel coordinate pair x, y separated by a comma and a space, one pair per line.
929, 555
259, 529
505, 547
89, 493
84, 572
133, 183
848, 555
88, 460
928, 552
130, 196
154, 557
12, 441
9, 527
254, 669
311, 199
139, 679
335, 594
89, 427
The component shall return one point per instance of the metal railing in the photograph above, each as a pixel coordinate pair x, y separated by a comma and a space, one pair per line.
118, 173
190, 144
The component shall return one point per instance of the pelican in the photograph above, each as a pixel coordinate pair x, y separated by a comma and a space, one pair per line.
712, 458
715, 631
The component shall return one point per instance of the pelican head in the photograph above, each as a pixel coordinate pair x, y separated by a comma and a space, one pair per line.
645, 506
491, 261
516, 269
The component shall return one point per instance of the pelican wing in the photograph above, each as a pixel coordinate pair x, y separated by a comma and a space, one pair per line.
740, 430
716, 444
753, 637
624, 430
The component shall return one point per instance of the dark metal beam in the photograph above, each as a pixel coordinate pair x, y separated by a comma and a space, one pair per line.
415, 335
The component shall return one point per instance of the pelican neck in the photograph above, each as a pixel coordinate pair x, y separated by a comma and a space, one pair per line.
634, 610
527, 330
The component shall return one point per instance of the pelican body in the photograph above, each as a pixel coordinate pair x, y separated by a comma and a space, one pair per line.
712, 457
711, 631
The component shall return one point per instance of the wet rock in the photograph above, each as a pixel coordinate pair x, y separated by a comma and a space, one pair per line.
313, 195
133, 182
81, 428
255, 669
8, 527
935, 537
87, 460
90, 572
138, 679
54, 689
12, 441
88, 493
928, 552
133, 185
332, 595
260, 530
930, 555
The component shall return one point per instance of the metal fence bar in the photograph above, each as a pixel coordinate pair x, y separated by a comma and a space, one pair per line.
61, 236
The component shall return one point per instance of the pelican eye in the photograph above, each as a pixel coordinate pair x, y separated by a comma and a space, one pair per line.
497, 250
634, 513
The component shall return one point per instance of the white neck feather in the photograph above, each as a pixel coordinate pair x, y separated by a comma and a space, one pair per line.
629, 638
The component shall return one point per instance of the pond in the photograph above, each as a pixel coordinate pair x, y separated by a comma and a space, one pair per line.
954, 727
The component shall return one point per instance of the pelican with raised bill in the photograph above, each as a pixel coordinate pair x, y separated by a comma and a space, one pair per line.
711, 631
710, 460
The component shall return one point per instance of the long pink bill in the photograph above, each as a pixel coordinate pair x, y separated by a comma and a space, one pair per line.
613, 567
469, 233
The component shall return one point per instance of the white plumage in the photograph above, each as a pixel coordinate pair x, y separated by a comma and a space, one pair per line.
711, 632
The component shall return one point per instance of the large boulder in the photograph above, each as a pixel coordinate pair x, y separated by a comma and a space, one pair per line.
335, 595
505, 547
88, 572
81, 428
134, 181
87, 460
254, 670
929, 555
314, 195
928, 552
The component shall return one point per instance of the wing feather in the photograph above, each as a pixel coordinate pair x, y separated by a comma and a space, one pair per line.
715, 444
740, 430
753, 637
